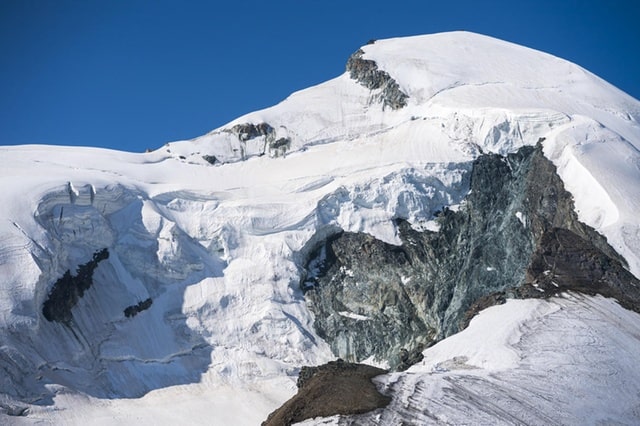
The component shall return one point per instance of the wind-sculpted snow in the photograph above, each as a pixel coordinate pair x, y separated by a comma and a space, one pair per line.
568, 361
215, 232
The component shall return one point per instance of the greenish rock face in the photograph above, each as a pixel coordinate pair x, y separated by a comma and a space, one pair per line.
373, 299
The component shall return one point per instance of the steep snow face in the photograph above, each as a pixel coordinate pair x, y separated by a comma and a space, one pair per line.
217, 243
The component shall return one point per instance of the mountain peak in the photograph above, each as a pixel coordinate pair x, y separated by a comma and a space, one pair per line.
436, 176
390, 82
461, 63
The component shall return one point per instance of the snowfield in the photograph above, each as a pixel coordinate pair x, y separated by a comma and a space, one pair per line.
219, 248
569, 360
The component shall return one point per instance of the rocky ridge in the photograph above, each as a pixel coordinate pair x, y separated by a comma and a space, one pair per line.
515, 235
366, 72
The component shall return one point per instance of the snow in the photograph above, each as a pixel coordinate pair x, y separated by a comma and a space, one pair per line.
566, 360
218, 248
488, 342
354, 316
196, 404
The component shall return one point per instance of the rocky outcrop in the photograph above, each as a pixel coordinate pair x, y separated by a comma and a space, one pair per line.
262, 134
211, 159
366, 72
133, 310
337, 387
67, 290
565, 261
279, 147
516, 235
248, 131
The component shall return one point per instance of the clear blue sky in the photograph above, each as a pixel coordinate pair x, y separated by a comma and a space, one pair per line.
134, 74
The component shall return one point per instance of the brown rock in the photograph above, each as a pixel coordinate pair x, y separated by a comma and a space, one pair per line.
337, 387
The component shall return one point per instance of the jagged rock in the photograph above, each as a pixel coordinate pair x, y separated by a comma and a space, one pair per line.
66, 291
366, 72
211, 159
337, 387
249, 131
566, 261
133, 310
515, 235
408, 358
279, 147
259, 139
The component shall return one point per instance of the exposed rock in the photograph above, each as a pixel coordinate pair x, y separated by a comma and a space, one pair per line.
249, 131
335, 388
408, 358
366, 72
258, 139
279, 147
66, 292
516, 235
133, 310
211, 159
565, 261
14, 410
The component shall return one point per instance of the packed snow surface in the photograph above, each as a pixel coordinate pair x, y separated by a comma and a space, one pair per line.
569, 360
218, 248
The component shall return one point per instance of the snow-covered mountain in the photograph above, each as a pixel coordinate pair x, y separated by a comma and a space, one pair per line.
194, 281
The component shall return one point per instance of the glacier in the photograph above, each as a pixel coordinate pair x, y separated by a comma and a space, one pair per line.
215, 231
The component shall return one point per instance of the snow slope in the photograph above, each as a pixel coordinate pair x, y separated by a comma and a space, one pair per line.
569, 360
218, 248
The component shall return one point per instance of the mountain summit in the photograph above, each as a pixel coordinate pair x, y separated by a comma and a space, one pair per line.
368, 218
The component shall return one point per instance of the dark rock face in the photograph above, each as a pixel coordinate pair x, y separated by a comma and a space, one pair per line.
211, 159
66, 292
249, 131
516, 235
337, 387
133, 310
566, 261
366, 72
282, 144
